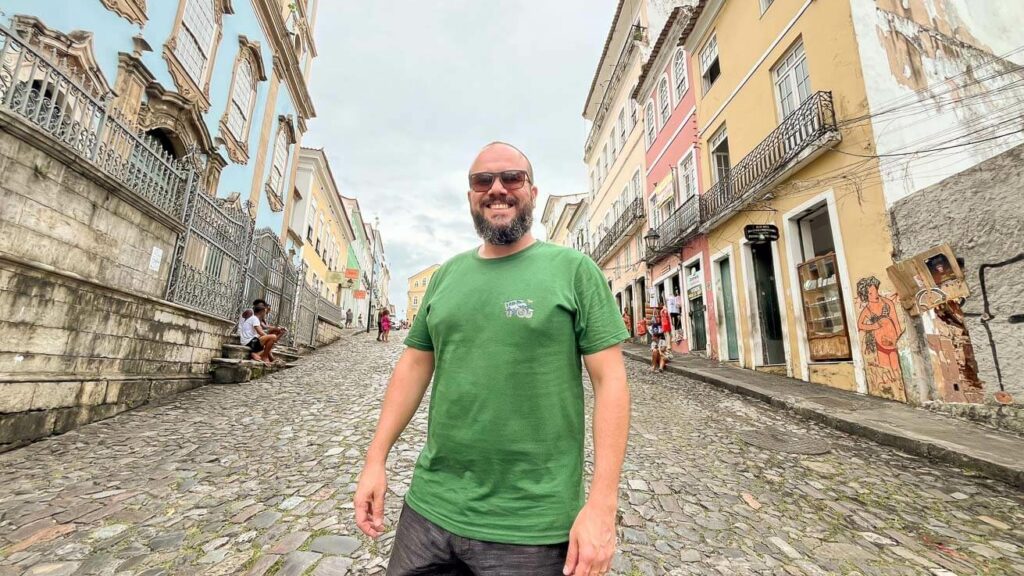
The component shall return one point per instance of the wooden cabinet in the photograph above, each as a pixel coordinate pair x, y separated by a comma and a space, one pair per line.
824, 313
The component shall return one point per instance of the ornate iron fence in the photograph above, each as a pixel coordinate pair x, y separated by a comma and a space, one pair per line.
208, 268
305, 321
801, 130
330, 311
633, 214
47, 97
271, 276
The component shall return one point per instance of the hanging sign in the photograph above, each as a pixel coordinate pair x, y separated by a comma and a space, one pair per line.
761, 233
360, 294
352, 273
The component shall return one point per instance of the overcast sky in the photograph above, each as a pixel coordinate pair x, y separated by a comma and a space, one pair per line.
406, 92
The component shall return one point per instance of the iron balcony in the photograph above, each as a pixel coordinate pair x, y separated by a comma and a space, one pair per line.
677, 229
805, 134
625, 224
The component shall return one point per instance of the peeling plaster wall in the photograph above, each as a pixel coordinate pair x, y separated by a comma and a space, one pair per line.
956, 48
986, 230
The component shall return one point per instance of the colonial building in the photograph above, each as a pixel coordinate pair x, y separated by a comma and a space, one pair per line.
677, 254
558, 212
815, 138
614, 153
320, 230
417, 288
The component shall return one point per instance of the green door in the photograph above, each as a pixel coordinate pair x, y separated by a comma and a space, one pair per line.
731, 340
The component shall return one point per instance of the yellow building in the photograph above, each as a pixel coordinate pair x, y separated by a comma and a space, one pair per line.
321, 228
417, 288
614, 153
558, 213
773, 77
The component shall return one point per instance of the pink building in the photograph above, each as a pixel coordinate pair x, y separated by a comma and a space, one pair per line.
677, 259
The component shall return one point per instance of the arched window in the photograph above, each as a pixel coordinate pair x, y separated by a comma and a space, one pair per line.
243, 91
279, 164
679, 70
663, 100
195, 38
652, 129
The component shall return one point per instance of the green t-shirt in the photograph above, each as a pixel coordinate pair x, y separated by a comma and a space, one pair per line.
503, 460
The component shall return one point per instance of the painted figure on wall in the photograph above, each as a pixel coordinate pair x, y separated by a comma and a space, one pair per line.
880, 329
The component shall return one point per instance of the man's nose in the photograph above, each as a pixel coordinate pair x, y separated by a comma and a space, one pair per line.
497, 187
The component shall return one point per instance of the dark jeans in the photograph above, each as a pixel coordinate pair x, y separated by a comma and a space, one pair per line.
422, 547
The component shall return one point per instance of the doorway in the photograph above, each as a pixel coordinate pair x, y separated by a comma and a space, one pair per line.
732, 349
696, 308
768, 311
641, 284
629, 309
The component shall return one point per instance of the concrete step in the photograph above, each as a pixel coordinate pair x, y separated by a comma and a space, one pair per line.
239, 352
234, 370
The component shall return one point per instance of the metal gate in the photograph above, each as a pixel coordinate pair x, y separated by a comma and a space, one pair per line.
272, 277
208, 267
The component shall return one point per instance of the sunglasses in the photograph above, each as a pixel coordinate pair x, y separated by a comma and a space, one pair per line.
510, 180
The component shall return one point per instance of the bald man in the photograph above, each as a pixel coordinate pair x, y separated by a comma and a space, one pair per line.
504, 330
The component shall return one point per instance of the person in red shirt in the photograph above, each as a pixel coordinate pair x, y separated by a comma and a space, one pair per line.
666, 322
641, 328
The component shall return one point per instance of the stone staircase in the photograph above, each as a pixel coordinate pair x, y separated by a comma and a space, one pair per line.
235, 365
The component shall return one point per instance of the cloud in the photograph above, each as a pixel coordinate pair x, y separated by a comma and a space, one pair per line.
407, 92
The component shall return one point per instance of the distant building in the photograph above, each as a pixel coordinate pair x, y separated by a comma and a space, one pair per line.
418, 283
558, 212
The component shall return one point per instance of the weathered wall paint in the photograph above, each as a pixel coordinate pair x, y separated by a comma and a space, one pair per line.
934, 76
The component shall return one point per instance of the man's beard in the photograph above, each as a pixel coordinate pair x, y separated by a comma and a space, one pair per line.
503, 235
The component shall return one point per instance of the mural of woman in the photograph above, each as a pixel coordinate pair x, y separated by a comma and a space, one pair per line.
880, 328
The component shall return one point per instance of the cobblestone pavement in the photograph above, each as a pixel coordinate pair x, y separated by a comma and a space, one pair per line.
258, 478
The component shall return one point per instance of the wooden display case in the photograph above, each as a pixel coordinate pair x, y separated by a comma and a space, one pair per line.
824, 312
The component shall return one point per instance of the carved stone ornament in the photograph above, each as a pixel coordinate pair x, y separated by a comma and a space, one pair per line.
133, 11
238, 148
175, 112
185, 84
72, 52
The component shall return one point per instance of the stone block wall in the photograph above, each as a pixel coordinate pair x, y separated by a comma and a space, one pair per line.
58, 210
326, 332
86, 333
980, 214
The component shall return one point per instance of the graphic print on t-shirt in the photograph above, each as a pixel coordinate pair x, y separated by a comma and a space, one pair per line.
519, 309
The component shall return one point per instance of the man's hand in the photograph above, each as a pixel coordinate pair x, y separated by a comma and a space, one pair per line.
369, 500
591, 541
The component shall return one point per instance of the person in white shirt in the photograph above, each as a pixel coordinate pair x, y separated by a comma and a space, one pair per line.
251, 334
673, 310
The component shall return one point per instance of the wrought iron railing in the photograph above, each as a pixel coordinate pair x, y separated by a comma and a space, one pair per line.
679, 227
47, 97
630, 217
208, 268
636, 32
272, 277
305, 321
805, 128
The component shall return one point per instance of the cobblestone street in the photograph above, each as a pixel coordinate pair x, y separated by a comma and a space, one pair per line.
258, 479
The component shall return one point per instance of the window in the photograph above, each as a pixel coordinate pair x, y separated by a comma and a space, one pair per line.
792, 83
765, 4
311, 221
687, 177
652, 129
820, 288
195, 38
415, 300
635, 185
720, 163
275, 182
622, 126
634, 112
613, 149
663, 99
243, 90
710, 69
604, 159
654, 212
679, 72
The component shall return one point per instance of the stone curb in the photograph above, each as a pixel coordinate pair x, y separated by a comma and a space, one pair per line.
880, 433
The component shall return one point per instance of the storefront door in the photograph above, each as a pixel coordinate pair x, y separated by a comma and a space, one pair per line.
768, 311
699, 339
729, 308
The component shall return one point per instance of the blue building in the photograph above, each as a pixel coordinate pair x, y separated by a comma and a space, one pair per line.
222, 80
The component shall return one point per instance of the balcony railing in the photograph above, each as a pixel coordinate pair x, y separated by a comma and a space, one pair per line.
679, 227
624, 224
629, 48
50, 99
807, 129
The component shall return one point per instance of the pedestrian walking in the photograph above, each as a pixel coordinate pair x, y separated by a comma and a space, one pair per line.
348, 318
666, 322
385, 324
499, 485
380, 327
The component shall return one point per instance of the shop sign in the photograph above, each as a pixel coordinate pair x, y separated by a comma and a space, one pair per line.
761, 233
360, 294
352, 273
694, 292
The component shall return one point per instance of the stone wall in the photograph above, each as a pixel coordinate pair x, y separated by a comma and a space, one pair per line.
980, 214
84, 264
326, 332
